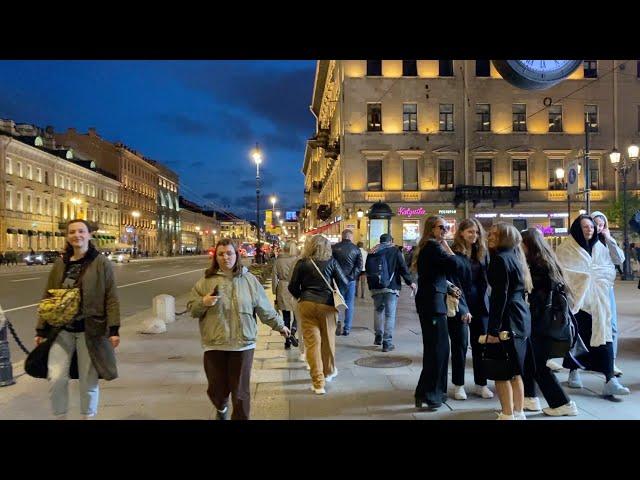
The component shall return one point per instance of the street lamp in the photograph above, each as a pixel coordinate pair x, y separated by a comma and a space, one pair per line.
623, 166
359, 214
560, 177
257, 157
135, 214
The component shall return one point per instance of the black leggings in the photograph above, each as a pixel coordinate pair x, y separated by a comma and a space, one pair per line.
543, 376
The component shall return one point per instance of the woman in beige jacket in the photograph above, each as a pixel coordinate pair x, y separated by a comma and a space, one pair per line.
282, 270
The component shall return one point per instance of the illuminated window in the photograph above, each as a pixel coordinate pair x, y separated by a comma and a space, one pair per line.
483, 117
446, 117
445, 174
556, 183
483, 172
555, 118
591, 117
374, 117
374, 175
519, 116
519, 174
410, 117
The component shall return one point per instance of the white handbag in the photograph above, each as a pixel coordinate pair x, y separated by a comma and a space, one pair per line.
338, 300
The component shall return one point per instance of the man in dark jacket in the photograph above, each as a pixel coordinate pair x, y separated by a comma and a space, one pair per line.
349, 258
385, 299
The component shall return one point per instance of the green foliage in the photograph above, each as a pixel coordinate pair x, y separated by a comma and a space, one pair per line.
614, 209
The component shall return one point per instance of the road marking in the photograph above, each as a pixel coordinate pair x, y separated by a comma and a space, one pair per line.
25, 279
121, 286
20, 308
143, 271
160, 278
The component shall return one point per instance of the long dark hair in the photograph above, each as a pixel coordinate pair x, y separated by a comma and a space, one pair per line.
68, 249
540, 256
427, 234
214, 268
478, 250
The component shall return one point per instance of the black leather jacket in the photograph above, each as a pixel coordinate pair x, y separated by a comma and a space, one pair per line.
349, 257
306, 283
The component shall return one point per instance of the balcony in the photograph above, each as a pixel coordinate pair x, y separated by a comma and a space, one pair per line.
477, 194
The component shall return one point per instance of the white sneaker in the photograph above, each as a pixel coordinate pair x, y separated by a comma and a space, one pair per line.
303, 357
459, 393
483, 391
88, 417
331, 376
318, 391
532, 404
62, 416
519, 415
567, 410
502, 416
555, 366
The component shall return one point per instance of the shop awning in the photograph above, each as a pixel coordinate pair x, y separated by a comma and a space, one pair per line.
31, 233
21, 231
12, 230
323, 228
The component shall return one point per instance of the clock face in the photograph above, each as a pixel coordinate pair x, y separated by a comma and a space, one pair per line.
535, 74
545, 70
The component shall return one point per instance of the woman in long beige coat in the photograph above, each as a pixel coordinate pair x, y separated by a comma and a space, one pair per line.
282, 270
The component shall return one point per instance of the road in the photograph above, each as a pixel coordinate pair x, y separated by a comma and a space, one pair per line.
138, 282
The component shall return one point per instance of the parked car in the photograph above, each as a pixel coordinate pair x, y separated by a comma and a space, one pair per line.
42, 258
120, 256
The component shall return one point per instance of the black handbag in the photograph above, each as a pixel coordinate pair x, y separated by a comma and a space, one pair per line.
497, 360
561, 327
37, 362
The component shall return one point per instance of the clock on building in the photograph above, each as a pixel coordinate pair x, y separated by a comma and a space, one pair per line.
535, 74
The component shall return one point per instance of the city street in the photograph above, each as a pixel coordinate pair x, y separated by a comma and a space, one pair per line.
21, 288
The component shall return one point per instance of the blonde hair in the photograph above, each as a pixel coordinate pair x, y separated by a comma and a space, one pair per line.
317, 248
479, 249
509, 237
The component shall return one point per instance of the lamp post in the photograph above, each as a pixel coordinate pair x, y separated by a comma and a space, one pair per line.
623, 167
257, 157
273, 209
560, 176
136, 215
359, 214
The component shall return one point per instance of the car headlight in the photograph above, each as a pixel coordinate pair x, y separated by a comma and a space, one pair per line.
28, 258
39, 257
120, 257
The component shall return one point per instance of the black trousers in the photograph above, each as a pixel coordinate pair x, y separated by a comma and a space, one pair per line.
478, 327
230, 373
597, 359
287, 315
459, 336
432, 385
543, 376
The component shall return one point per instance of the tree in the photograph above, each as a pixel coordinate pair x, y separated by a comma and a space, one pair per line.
614, 209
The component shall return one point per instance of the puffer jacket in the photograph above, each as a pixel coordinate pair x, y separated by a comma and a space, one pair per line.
307, 284
230, 323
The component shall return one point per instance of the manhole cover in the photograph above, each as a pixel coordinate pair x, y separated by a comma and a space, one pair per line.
379, 361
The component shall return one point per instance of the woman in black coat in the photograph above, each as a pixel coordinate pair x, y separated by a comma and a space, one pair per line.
433, 260
510, 280
470, 276
549, 288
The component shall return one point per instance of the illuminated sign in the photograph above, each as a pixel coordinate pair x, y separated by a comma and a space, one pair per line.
411, 212
410, 231
291, 216
447, 212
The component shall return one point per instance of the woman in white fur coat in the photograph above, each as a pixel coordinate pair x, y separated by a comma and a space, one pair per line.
590, 274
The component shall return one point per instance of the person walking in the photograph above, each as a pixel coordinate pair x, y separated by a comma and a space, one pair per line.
617, 258
309, 283
362, 280
386, 267
350, 260
84, 347
224, 301
590, 274
433, 261
470, 275
510, 281
282, 270
550, 292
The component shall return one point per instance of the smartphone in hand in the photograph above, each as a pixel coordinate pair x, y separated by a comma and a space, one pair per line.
215, 292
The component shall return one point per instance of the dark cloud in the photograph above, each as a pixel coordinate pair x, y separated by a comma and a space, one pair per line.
280, 96
183, 124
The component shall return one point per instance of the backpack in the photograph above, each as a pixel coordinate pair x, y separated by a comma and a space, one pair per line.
377, 269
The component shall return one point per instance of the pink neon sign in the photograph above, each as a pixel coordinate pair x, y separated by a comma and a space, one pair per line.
410, 212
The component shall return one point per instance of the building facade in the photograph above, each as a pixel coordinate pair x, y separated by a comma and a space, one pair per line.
452, 137
44, 186
200, 229
139, 185
168, 219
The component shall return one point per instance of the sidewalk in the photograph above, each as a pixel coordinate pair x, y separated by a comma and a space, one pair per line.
162, 377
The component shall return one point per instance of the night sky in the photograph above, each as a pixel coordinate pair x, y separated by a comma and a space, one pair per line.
200, 118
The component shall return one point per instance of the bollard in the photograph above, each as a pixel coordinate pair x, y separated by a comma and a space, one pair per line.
164, 308
6, 370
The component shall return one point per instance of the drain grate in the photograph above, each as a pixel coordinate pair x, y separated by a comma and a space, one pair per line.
379, 361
